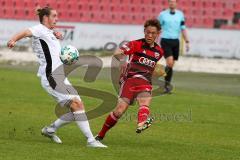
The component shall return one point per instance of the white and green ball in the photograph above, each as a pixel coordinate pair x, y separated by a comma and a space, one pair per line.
69, 55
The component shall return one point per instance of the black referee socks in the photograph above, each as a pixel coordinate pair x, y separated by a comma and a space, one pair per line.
169, 72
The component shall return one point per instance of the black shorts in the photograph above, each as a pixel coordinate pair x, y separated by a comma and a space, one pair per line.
170, 47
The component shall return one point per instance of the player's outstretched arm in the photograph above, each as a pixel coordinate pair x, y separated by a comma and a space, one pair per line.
118, 54
18, 36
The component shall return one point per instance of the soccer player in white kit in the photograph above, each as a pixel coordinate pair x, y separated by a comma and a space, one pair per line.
47, 48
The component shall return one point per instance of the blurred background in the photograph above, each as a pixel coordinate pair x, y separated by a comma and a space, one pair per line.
96, 25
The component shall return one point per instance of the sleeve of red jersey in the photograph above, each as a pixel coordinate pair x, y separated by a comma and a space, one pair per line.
128, 48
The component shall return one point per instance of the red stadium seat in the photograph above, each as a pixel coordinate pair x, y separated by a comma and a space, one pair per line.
163, 3
217, 4
126, 18
237, 6
207, 22
206, 4
1, 13
183, 4
195, 12
3, 4
8, 13
18, 13
195, 3
7, 3
94, 7
115, 8
29, 13
18, 4
112, 18
30, 4
227, 13
80, 17
189, 22
86, 17
82, 7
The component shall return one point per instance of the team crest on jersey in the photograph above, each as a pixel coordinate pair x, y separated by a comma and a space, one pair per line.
157, 55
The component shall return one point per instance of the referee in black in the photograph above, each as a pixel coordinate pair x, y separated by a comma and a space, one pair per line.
173, 24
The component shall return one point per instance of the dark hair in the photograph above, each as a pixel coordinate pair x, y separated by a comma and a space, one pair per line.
41, 12
154, 23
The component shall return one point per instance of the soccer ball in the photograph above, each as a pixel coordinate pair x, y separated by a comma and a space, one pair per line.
69, 55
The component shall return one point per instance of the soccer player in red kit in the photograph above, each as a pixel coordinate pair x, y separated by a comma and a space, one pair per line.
135, 81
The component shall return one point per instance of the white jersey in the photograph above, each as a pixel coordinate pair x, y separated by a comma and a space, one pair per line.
47, 48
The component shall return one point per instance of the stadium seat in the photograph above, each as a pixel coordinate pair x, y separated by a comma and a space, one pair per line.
195, 12
115, 8
80, 17
206, 4
1, 13
8, 12
237, 5
3, 3
227, 13
18, 13
29, 13
207, 22
217, 4
29, 4
82, 8
194, 3
7, 3
18, 4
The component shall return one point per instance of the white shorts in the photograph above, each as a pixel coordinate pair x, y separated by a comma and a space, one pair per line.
64, 95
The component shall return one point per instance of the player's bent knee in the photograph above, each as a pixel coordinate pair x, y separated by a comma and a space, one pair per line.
145, 102
120, 110
170, 64
118, 114
76, 105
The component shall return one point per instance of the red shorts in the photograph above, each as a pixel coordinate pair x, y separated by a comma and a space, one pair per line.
131, 87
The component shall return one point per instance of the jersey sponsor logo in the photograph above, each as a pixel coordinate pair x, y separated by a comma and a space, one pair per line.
147, 62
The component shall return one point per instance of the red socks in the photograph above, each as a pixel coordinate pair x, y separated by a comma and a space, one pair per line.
111, 120
109, 123
143, 113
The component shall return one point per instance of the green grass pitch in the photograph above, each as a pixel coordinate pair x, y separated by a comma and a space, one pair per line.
200, 121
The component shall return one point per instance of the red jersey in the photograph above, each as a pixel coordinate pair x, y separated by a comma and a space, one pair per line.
142, 59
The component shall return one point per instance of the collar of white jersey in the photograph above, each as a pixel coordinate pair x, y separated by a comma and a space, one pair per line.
50, 30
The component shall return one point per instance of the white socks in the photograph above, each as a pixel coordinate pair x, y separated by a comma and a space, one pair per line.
82, 122
80, 118
64, 119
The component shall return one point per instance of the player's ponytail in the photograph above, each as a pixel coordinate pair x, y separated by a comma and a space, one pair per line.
41, 12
